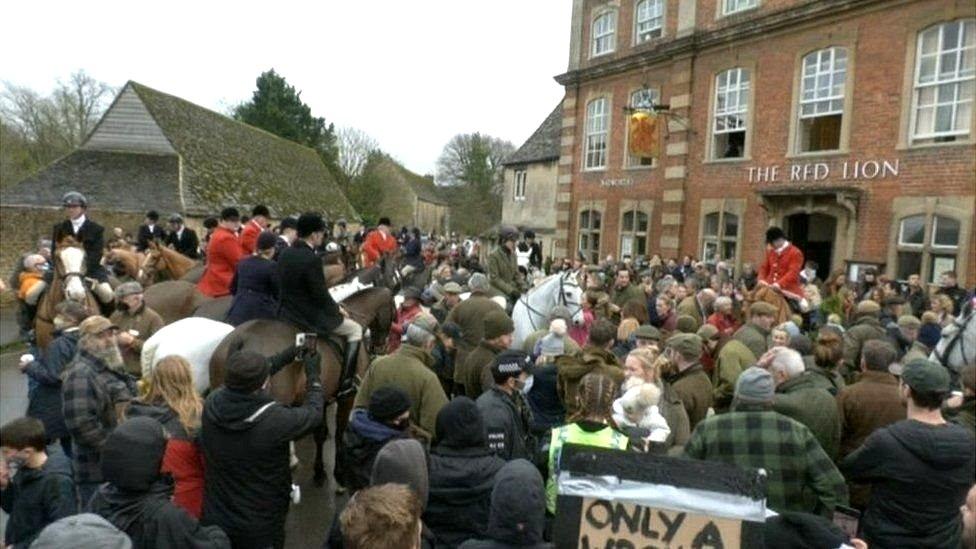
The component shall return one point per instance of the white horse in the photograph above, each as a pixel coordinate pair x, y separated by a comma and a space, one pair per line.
957, 347
531, 311
193, 338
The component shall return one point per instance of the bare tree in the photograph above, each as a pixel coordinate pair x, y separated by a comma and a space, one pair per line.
355, 147
471, 164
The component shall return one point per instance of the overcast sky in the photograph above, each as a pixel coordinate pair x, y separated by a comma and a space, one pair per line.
411, 73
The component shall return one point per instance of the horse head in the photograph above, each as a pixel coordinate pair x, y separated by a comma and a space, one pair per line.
151, 265
70, 268
572, 296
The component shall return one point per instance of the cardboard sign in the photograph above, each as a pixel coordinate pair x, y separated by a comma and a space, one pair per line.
613, 524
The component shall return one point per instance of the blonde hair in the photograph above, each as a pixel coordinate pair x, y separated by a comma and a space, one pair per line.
647, 356
171, 384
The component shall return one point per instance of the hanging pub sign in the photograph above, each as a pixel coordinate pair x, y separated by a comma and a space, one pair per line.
642, 138
608, 498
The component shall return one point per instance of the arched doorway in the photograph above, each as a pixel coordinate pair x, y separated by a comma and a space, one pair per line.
814, 234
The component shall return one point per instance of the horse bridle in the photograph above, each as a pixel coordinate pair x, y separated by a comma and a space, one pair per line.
957, 338
562, 301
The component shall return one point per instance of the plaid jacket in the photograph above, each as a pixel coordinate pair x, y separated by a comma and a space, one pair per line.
800, 476
93, 395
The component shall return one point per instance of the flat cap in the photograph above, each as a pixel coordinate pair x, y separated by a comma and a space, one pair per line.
686, 324
868, 307
909, 321
95, 325
707, 332
926, 376
452, 288
647, 331
761, 308
687, 345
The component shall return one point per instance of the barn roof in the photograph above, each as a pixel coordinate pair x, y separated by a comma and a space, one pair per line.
221, 161
543, 144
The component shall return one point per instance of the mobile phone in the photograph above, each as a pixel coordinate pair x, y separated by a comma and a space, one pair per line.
307, 340
847, 519
299, 340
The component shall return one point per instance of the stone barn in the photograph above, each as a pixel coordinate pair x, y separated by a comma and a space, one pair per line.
406, 198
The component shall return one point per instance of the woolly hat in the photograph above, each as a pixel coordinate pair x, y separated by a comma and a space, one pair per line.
497, 323
686, 324
929, 335
246, 371
81, 531
402, 461
552, 345
460, 425
388, 402
133, 454
266, 240
755, 385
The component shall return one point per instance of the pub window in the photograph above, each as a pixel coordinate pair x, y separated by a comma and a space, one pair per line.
589, 234
945, 76
734, 6
597, 122
720, 232
649, 22
644, 98
520, 177
927, 246
633, 234
731, 112
822, 99
604, 32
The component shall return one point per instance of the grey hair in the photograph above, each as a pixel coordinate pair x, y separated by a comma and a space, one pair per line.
787, 361
33, 259
418, 336
664, 284
478, 281
722, 301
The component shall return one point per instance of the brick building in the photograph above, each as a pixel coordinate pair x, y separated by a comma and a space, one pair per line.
848, 122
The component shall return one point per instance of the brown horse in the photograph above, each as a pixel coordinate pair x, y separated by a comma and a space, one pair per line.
68, 283
163, 263
774, 298
129, 260
372, 308
174, 299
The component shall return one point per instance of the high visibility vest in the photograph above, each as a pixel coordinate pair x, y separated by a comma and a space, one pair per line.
573, 434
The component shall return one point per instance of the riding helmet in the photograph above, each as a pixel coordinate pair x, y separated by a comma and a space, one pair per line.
74, 198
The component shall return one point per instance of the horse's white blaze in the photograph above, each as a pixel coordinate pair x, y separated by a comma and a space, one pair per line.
73, 261
541, 299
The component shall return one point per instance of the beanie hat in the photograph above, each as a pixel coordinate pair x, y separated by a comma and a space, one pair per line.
460, 425
403, 461
81, 532
497, 323
755, 385
552, 345
246, 371
929, 335
388, 402
266, 240
686, 324
133, 454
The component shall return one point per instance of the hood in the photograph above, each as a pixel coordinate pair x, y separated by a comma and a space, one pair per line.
123, 508
402, 461
518, 505
460, 425
575, 367
133, 454
369, 429
236, 411
942, 447
58, 463
163, 414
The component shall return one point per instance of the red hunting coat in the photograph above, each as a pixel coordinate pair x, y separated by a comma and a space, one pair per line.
784, 269
249, 237
377, 243
223, 253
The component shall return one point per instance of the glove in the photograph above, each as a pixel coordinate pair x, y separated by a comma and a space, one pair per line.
313, 367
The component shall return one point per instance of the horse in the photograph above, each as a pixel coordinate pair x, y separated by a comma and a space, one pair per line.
68, 282
174, 299
128, 259
774, 298
957, 348
372, 308
194, 339
531, 311
162, 263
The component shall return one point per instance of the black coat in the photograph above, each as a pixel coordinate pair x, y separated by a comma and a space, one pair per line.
256, 288
361, 442
91, 235
547, 408
517, 515
37, 497
508, 423
44, 400
461, 480
305, 300
919, 475
187, 243
245, 446
145, 236
412, 254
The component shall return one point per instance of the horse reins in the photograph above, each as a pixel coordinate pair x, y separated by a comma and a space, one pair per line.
562, 301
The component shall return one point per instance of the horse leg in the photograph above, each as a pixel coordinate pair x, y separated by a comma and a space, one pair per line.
320, 435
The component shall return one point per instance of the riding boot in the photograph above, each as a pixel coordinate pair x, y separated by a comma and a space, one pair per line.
349, 382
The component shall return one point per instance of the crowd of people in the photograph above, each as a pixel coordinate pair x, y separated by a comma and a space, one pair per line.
457, 430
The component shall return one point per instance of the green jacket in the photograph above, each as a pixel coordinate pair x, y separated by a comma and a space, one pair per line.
753, 337
830, 380
689, 306
800, 475
917, 351
475, 372
964, 415
469, 315
864, 329
145, 321
631, 293
571, 370
409, 369
694, 389
503, 272
733, 359
801, 399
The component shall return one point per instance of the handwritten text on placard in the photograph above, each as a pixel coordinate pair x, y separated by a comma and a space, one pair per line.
616, 525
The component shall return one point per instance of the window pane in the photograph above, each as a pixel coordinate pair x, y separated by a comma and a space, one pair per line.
909, 263
711, 225
585, 219
912, 230
945, 232
940, 264
640, 243
709, 251
731, 225
642, 222
628, 224
728, 250
596, 220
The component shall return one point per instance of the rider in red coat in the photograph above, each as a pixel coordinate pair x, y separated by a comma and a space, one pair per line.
254, 227
378, 242
783, 264
223, 253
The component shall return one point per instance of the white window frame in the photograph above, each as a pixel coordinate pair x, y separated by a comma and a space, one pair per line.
593, 233
603, 31
935, 231
730, 7
596, 141
634, 232
833, 79
723, 110
720, 239
928, 250
958, 78
519, 185
651, 14
631, 161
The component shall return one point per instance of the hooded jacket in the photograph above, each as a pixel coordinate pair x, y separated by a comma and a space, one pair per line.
508, 422
245, 440
136, 498
919, 476
45, 401
361, 442
517, 516
37, 497
462, 475
572, 369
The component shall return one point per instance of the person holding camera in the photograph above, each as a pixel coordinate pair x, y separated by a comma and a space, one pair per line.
245, 437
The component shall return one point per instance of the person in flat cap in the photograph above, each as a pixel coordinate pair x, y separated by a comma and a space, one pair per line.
688, 378
450, 297
647, 335
507, 415
256, 286
902, 333
752, 435
387, 417
866, 326
137, 322
470, 315
476, 375
182, 238
755, 334
245, 436
919, 469
409, 309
